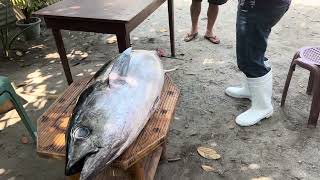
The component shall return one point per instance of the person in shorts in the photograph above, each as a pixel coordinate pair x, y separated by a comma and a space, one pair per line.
212, 14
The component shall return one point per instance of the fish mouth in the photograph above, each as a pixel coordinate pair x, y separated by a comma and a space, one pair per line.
74, 167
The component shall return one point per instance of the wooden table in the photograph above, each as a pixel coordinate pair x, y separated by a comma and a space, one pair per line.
118, 17
140, 159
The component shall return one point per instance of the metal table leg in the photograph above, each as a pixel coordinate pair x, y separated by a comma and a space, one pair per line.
171, 27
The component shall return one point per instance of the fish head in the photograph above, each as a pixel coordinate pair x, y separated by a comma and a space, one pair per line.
91, 146
95, 163
78, 148
83, 139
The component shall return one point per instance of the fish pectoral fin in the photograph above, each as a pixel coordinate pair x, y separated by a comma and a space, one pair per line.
121, 65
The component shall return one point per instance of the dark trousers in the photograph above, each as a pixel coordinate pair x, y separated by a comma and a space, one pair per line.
253, 29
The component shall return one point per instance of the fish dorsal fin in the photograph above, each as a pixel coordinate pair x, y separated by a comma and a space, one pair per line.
121, 65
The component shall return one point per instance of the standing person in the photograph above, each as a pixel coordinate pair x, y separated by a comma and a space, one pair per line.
212, 14
255, 20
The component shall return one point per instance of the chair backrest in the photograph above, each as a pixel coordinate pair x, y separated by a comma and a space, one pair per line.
310, 55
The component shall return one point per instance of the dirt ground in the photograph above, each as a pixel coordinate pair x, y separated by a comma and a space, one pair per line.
281, 147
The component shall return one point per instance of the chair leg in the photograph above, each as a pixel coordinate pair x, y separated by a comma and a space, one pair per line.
286, 86
310, 84
22, 113
315, 105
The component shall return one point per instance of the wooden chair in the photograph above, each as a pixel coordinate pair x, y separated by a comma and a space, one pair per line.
307, 58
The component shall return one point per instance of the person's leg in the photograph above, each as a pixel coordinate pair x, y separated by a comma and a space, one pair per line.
253, 29
212, 15
195, 10
251, 44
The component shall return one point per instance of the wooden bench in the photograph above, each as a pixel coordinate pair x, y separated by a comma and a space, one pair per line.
139, 161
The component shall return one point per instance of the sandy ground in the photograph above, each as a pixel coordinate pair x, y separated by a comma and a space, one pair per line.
281, 147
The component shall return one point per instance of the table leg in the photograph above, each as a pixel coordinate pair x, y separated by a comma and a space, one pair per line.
171, 27
123, 38
62, 54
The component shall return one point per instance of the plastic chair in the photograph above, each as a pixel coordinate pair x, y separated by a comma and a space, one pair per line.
307, 58
7, 92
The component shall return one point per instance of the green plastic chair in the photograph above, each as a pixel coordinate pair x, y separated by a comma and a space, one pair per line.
7, 92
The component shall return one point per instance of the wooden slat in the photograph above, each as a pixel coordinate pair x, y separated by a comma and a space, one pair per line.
53, 123
51, 126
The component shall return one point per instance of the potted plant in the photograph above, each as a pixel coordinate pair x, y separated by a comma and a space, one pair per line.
32, 24
7, 35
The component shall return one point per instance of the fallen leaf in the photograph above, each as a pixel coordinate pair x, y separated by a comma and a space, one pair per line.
253, 166
231, 125
112, 40
161, 52
84, 55
163, 30
207, 168
19, 53
24, 139
208, 153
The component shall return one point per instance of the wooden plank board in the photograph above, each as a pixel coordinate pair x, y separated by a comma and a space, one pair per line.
53, 123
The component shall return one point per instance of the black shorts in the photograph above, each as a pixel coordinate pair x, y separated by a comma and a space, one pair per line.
215, 2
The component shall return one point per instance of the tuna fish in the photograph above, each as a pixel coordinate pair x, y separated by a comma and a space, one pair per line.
111, 113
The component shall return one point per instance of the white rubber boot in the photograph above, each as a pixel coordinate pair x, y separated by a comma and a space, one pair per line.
261, 106
240, 91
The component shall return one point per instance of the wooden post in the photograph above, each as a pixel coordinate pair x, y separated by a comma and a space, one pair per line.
138, 170
164, 156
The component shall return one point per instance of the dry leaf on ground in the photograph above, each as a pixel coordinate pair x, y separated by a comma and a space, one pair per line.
163, 30
24, 140
208, 153
112, 40
207, 168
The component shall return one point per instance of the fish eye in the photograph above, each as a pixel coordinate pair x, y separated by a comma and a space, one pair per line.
81, 132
